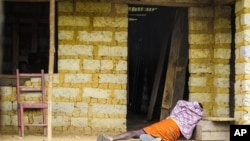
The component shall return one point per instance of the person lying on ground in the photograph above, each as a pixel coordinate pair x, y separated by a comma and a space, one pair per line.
180, 123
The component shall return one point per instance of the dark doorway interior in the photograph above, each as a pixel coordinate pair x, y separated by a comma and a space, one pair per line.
149, 39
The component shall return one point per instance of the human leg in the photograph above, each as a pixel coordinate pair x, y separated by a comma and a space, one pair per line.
146, 137
166, 129
128, 135
103, 137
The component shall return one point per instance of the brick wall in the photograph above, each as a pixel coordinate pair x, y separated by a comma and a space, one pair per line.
221, 58
92, 79
209, 54
242, 95
201, 41
89, 90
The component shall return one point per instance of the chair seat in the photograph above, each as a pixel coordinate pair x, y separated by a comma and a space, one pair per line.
41, 125
33, 89
33, 105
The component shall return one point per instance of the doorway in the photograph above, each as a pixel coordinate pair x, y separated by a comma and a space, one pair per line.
150, 39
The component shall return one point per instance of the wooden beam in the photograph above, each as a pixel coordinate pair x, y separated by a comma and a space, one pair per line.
51, 65
224, 2
171, 4
27, 0
154, 3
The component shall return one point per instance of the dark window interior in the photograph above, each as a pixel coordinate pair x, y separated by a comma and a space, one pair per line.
26, 37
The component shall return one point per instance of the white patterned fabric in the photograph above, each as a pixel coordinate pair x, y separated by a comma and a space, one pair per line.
187, 115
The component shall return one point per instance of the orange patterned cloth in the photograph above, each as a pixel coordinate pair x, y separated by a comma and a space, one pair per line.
167, 129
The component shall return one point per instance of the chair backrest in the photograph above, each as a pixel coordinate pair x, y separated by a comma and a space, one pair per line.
22, 88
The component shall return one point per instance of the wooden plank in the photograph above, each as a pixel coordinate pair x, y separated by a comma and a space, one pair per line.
170, 77
175, 77
181, 65
161, 63
156, 84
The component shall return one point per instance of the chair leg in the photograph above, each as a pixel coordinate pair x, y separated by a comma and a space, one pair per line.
19, 121
44, 122
22, 121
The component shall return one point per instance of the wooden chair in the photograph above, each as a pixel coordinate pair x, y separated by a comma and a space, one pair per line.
22, 90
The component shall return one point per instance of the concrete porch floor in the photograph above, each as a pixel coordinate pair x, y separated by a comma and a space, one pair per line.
133, 123
54, 138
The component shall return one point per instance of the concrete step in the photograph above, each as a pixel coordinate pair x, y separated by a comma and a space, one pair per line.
213, 129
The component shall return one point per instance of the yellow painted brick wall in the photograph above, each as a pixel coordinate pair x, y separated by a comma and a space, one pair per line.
209, 54
92, 67
9, 108
242, 93
201, 43
222, 55
89, 90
